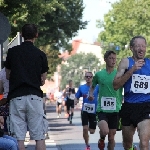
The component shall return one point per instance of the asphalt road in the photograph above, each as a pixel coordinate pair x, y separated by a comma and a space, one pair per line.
69, 136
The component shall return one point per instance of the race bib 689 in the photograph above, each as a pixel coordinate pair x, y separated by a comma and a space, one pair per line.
140, 84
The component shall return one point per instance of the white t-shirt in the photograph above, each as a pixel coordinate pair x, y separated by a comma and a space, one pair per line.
58, 96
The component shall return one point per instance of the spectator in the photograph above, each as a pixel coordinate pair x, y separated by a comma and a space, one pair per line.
26, 69
6, 142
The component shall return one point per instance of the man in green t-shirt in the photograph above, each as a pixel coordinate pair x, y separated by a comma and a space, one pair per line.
109, 102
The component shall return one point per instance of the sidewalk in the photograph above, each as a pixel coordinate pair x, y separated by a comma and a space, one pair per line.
50, 144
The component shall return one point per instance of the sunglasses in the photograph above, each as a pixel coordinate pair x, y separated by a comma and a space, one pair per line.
88, 76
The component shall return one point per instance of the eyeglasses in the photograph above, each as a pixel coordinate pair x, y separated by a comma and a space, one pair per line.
140, 46
88, 76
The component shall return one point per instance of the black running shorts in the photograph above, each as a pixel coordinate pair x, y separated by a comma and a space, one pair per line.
111, 118
133, 113
59, 103
69, 103
89, 119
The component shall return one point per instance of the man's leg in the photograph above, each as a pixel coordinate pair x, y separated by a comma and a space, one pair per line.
59, 109
72, 108
111, 139
72, 113
127, 134
21, 145
11, 138
37, 123
143, 129
40, 145
84, 119
6, 143
18, 126
113, 120
68, 109
65, 108
104, 130
92, 123
85, 134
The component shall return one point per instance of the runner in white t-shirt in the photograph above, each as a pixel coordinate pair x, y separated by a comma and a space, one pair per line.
58, 96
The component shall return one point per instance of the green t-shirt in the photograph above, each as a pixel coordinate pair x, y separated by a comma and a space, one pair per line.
109, 100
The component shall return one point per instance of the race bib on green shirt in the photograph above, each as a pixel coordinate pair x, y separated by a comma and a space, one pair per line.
108, 103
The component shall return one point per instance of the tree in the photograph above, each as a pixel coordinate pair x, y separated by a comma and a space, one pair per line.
58, 22
76, 67
126, 19
53, 60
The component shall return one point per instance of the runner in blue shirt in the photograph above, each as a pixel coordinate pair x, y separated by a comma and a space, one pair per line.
88, 108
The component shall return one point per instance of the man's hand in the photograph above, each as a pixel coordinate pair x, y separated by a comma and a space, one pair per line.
138, 64
76, 101
91, 98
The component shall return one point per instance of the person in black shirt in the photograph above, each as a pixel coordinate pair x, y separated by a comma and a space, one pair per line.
70, 96
26, 69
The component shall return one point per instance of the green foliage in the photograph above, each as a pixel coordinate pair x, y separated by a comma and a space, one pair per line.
58, 22
76, 67
53, 60
126, 19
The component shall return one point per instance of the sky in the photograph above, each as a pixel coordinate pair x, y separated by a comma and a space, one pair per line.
94, 10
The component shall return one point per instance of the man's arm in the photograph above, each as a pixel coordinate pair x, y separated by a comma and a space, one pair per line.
78, 95
122, 77
92, 87
76, 101
55, 96
65, 94
43, 78
91, 90
91, 97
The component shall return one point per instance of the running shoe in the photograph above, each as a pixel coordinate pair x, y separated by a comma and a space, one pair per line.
101, 144
87, 148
